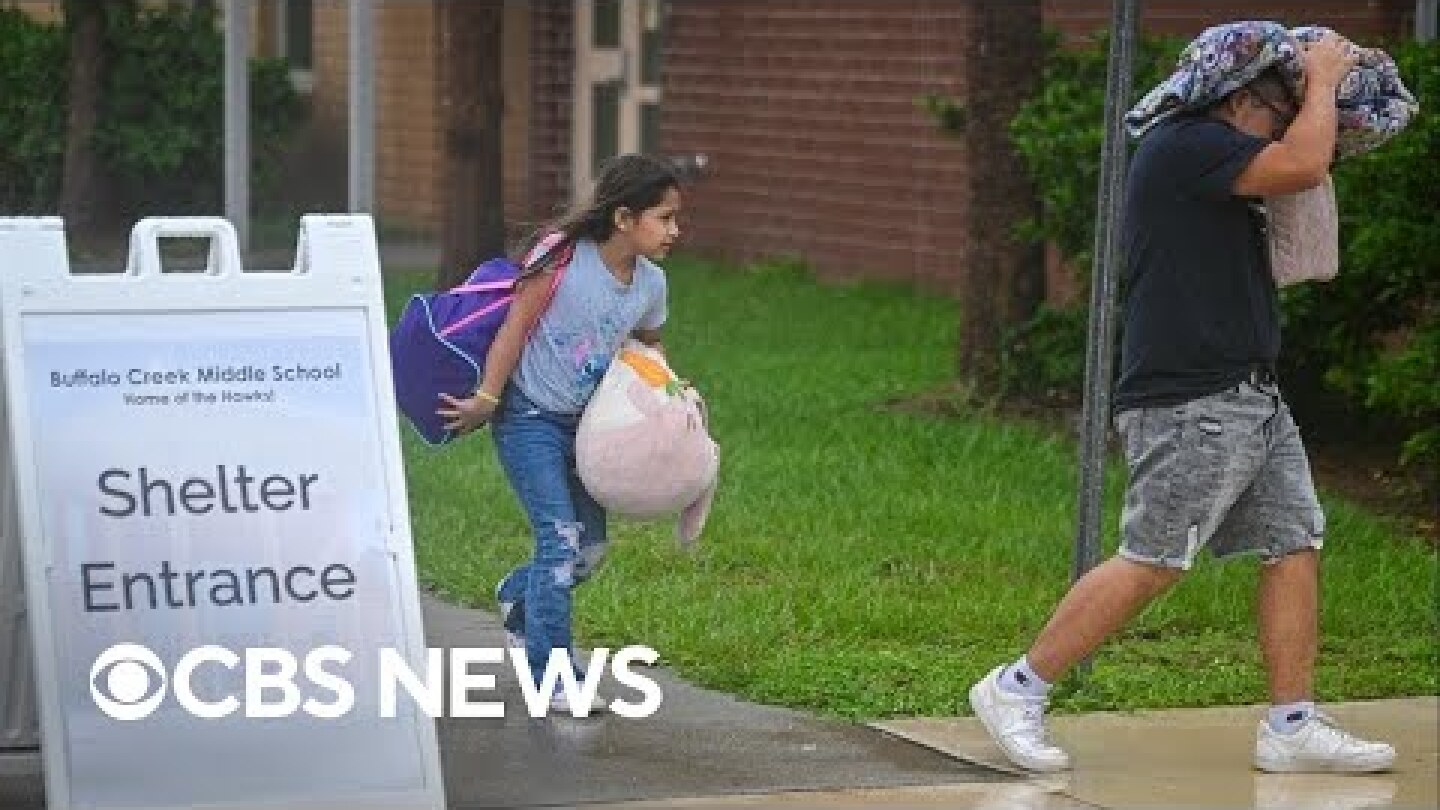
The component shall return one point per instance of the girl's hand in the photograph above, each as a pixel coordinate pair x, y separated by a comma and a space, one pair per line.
465, 415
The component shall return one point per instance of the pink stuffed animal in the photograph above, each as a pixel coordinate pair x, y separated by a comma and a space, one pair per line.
643, 449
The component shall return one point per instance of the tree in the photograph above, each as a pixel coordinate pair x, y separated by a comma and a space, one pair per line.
473, 220
1004, 282
82, 186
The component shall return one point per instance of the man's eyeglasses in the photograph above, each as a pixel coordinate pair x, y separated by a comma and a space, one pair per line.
1284, 116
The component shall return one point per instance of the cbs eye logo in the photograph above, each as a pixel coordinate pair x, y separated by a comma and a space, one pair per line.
128, 681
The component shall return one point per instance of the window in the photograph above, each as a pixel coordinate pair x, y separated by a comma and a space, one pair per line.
295, 40
651, 42
605, 142
607, 24
649, 128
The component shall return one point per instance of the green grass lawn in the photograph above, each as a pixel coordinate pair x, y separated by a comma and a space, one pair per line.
869, 561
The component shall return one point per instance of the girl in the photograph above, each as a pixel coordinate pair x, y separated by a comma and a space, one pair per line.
541, 370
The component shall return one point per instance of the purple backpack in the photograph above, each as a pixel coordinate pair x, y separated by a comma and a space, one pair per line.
440, 341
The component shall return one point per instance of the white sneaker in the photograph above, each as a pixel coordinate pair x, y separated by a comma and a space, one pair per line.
1017, 724
1319, 746
560, 704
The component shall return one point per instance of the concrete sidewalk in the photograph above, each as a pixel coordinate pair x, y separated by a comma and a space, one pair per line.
1201, 758
1158, 759
699, 744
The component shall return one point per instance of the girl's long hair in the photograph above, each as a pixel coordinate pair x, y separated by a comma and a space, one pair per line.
636, 182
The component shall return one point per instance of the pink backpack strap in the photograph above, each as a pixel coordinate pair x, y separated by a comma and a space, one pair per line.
542, 247
562, 263
476, 315
486, 287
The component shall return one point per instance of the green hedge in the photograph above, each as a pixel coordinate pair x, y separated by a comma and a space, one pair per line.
1373, 334
32, 112
160, 133
1059, 134
1370, 338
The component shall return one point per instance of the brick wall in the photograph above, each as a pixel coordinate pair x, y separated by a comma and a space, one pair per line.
1367, 21
821, 152
516, 82
409, 132
408, 156
818, 153
407, 146
552, 80
329, 95
43, 10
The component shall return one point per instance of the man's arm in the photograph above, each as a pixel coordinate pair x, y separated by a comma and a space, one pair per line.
1301, 159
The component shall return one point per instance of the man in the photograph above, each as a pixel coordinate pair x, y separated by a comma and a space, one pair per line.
1215, 459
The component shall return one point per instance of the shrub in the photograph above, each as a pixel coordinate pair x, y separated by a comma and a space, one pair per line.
1044, 359
32, 113
162, 135
1373, 333
159, 134
1059, 134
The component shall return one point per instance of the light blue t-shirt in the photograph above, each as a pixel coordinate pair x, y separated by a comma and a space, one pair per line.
586, 323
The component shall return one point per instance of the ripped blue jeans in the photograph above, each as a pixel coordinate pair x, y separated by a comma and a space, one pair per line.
537, 450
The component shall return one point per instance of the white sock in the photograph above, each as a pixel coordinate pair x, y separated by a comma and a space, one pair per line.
1289, 717
1020, 679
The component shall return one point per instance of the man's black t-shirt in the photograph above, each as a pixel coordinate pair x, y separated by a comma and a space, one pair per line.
1201, 308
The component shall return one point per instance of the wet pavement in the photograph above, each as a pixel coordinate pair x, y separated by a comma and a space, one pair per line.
1016, 795
1202, 757
699, 744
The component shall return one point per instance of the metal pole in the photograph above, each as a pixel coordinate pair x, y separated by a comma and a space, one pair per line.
1425, 19
1104, 280
237, 119
362, 106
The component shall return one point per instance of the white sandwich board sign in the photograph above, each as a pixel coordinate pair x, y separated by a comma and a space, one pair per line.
211, 491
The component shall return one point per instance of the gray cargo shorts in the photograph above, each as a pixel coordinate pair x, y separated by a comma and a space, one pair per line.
1226, 472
